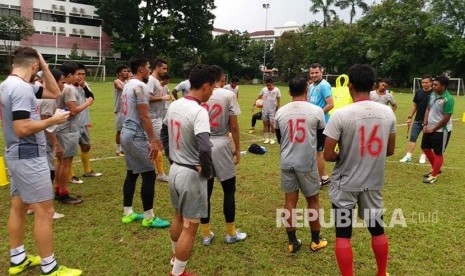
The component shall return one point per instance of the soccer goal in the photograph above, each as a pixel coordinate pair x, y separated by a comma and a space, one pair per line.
95, 72
455, 85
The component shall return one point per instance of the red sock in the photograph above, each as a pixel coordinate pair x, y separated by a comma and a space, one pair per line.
438, 160
63, 192
344, 256
380, 247
57, 188
430, 155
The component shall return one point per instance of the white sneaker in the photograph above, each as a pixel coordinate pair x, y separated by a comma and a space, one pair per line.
163, 178
57, 215
240, 236
406, 160
266, 141
208, 240
422, 159
272, 142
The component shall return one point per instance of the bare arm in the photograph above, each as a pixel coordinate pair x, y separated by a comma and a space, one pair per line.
412, 113
329, 104
445, 119
329, 152
144, 117
391, 144
118, 85
278, 103
234, 129
75, 109
26, 127
174, 92
51, 89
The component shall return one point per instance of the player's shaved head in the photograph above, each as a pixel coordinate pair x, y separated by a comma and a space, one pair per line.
297, 87
362, 77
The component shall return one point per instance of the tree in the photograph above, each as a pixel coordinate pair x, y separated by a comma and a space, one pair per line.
289, 53
353, 4
323, 6
13, 29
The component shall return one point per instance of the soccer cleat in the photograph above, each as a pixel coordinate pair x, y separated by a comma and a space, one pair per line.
267, 141
25, 264
163, 178
422, 159
132, 217
293, 247
240, 236
155, 222
75, 180
406, 160
272, 142
206, 241
251, 131
120, 154
317, 246
185, 274
57, 215
428, 174
430, 180
324, 182
92, 174
63, 271
66, 199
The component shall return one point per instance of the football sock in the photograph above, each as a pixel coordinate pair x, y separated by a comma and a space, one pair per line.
291, 236
316, 236
17, 255
128, 210
48, 264
71, 171
173, 246
178, 267
63, 191
438, 160
344, 256
265, 135
159, 163
324, 177
231, 229
430, 155
205, 230
408, 155
380, 246
118, 148
148, 214
85, 159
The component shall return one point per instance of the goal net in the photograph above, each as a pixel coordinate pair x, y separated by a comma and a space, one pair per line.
456, 86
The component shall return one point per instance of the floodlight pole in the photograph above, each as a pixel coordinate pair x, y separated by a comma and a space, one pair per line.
266, 6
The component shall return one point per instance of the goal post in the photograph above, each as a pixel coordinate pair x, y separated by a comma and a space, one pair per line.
455, 85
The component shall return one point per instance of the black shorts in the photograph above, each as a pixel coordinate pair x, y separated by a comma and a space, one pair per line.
320, 138
437, 141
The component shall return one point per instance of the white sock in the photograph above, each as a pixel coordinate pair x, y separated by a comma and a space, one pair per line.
423, 155
178, 267
272, 136
128, 210
265, 135
148, 214
48, 264
324, 177
118, 148
17, 255
173, 246
408, 155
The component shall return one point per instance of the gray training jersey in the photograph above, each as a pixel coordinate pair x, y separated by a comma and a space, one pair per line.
117, 96
235, 90
18, 95
135, 92
269, 99
185, 119
157, 108
220, 106
84, 117
298, 122
382, 99
362, 130
69, 94
184, 87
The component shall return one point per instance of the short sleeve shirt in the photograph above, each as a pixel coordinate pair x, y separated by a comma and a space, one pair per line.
298, 122
156, 108
385, 99
438, 106
235, 90
362, 130
135, 93
184, 87
84, 117
421, 101
117, 96
221, 105
69, 94
318, 93
269, 99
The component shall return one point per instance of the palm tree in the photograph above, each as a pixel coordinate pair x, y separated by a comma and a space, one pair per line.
344, 4
323, 6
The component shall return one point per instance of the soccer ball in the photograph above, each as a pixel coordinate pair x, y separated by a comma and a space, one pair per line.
259, 103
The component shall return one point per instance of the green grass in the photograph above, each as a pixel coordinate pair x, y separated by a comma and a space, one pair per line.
92, 237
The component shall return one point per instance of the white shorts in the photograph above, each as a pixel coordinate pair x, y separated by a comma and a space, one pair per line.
293, 181
222, 157
368, 202
136, 152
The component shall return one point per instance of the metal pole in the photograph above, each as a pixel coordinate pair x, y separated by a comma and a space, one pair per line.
56, 47
266, 7
100, 45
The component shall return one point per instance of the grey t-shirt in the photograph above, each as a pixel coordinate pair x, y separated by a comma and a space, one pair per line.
383, 99
84, 116
220, 106
69, 94
117, 96
184, 87
157, 108
362, 130
269, 99
135, 93
298, 122
18, 95
235, 90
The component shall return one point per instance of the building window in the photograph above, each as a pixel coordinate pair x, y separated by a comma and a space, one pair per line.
85, 2
49, 17
4, 11
84, 21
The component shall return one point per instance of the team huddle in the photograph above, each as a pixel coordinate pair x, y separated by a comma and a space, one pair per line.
199, 135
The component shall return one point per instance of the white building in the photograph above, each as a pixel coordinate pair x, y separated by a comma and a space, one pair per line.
272, 35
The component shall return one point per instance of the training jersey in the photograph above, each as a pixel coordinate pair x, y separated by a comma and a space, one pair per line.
135, 93
47, 107
362, 130
185, 119
184, 87
298, 122
221, 105
69, 94
84, 117
269, 99
18, 95
117, 96
318, 93
385, 98
438, 106
235, 90
156, 108
421, 101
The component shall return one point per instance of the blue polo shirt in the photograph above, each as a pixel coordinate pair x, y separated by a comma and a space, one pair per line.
317, 95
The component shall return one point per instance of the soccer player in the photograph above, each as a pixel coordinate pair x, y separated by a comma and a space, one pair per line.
157, 103
183, 86
420, 102
233, 86
139, 145
122, 72
68, 133
186, 138
437, 127
381, 94
223, 110
296, 129
26, 160
365, 133
319, 94
271, 97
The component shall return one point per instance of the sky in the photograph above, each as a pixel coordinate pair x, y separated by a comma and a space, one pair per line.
249, 15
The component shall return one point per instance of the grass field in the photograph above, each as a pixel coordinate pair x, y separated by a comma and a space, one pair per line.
92, 237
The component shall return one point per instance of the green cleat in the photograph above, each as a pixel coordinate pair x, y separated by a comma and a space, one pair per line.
155, 222
132, 217
63, 271
28, 262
